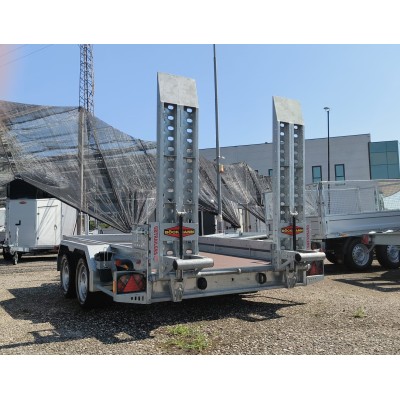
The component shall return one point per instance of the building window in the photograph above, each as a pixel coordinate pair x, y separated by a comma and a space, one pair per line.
384, 160
316, 174
339, 172
270, 172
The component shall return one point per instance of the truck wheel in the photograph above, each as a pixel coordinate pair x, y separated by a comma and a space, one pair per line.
85, 297
388, 256
358, 257
67, 277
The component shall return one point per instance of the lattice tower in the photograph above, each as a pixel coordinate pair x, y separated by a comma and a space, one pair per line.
86, 78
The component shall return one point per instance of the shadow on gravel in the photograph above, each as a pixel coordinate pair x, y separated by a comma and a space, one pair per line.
341, 269
335, 269
386, 281
118, 323
29, 258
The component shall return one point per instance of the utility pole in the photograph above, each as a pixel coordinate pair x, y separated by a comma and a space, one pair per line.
86, 106
219, 227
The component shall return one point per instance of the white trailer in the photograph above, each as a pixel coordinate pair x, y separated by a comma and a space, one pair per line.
2, 223
160, 261
342, 214
36, 226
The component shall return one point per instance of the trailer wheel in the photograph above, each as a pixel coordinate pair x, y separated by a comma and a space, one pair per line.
331, 257
67, 277
85, 297
358, 257
7, 255
388, 256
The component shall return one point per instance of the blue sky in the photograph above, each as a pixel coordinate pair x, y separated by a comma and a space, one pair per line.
360, 84
346, 57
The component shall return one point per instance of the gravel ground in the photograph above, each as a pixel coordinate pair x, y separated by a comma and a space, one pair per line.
346, 314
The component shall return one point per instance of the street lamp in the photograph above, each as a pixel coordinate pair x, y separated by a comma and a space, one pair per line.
327, 109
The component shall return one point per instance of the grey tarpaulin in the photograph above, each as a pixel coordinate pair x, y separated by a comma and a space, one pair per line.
39, 144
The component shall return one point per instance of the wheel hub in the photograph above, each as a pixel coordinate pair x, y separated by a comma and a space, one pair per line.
393, 254
82, 284
360, 254
65, 276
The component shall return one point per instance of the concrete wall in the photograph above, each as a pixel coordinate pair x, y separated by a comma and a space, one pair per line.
258, 156
352, 151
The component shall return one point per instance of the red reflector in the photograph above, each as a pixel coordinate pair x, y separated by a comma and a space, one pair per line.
131, 283
365, 239
317, 268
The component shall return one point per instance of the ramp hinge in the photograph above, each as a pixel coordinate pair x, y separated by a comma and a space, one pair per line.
176, 290
291, 277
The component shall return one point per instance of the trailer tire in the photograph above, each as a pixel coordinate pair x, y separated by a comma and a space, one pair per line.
67, 276
85, 298
331, 257
7, 255
388, 256
358, 257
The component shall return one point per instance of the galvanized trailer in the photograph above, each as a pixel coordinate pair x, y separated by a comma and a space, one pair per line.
342, 214
160, 261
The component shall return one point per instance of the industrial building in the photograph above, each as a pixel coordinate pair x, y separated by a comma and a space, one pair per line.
352, 157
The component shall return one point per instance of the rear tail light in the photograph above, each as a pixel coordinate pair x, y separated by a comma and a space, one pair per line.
129, 283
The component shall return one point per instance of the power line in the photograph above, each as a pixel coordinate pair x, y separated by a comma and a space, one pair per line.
24, 56
12, 50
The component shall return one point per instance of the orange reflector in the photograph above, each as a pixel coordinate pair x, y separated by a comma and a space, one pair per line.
131, 283
317, 268
123, 264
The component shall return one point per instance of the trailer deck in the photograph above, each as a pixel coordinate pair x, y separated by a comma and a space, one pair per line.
124, 242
